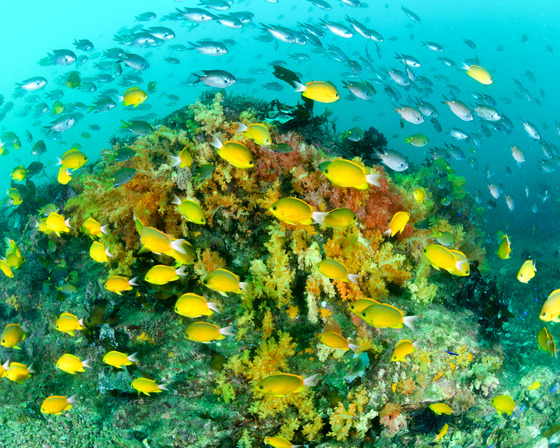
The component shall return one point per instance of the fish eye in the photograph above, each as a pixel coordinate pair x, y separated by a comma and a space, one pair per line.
261, 387
250, 162
274, 207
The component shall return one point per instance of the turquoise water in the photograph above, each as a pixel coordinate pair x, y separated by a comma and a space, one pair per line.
514, 41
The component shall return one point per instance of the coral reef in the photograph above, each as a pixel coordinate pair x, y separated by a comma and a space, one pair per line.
361, 399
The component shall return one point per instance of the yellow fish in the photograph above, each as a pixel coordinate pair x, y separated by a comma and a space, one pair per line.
464, 268
13, 255
360, 305
147, 386
63, 177
119, 284
403, 349
184, 159
336, 270
381, 315
19, 173
224, 281
57, 223
442, 258
73, 159
441, 408
190, 210
15, 195
68, 323
543, 338
206, 333
158, 242
320, 91
550, 310
56, 404
503, 403
417, 140
161, 274
6, 268
283, 384
335, 340
527, 271
258, 132
504, 248
346, 173
99, 252
235, 153
279, 442
293, 211
118, 359
338, 218
534, 385
16, 371
479, 73
419, 195
12, 335
187, 256
397, 223
193, 305
93, 229
72, 364
442, 433
134, 97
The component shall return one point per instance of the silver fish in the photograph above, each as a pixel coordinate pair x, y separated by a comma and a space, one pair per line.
216, 78
393, 159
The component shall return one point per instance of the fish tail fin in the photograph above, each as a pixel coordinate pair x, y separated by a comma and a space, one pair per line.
243, 286
372, 179
299, 87
6, 365
176, 161
387, 232
354, 278
44, 62
311, 380
71, 399
133, 357
30, 368
109, 254
132, 281
241, 127
176, 200
67, 223
319, 217
459, 265
163, 387
178, 245
355, 348
125, 125
227, 331
465, 66
58, 161
409, 321
407, 139
104, 230
181, 271
87, 363
213, 306
216, 143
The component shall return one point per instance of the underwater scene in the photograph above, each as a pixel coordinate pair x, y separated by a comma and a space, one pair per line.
280, 223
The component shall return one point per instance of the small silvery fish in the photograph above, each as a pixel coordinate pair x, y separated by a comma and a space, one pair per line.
216, 78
